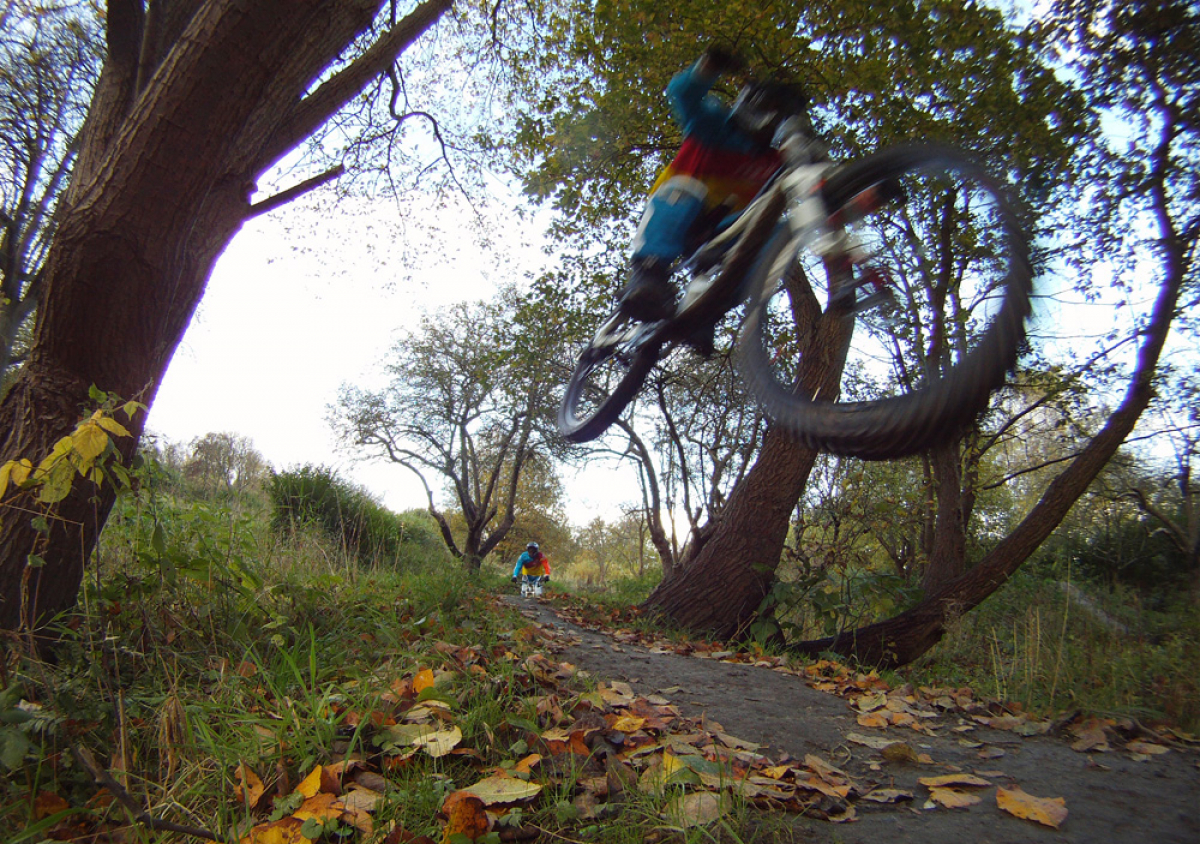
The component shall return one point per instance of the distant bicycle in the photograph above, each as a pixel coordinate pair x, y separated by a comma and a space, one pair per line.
916, 245
533, 585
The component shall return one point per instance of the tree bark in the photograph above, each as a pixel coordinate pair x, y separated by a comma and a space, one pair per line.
161, 186
719, 587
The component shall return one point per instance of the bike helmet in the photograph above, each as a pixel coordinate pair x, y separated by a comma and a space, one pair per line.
532, 547
761, 106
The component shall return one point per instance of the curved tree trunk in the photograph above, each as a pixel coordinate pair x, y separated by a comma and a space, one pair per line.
718, 588
900, 640
196, 101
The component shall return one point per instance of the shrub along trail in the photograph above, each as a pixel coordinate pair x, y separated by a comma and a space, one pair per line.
934, 766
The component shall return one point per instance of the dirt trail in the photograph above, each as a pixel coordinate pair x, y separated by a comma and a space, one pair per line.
1110, 797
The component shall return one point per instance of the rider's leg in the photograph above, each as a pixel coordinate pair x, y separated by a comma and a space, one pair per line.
660, 239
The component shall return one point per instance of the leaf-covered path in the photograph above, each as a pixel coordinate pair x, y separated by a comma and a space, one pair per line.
1137, 790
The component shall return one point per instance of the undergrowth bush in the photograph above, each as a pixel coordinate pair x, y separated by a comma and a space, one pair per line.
316, 496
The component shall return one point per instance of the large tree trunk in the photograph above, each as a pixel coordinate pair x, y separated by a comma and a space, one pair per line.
720, 586
179, 131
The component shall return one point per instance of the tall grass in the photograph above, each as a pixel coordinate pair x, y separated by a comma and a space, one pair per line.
1053, 646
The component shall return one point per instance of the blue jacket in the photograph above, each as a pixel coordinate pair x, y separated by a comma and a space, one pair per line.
540, 565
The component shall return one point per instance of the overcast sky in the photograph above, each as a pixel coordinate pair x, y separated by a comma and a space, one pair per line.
303, 301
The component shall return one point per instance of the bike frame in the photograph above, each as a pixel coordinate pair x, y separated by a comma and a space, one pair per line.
799, 180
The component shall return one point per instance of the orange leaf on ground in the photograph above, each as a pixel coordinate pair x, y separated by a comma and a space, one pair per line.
423, 680
286, 831
465, 815
321, 807
1049, 811
525, 766
48, 803
249, 788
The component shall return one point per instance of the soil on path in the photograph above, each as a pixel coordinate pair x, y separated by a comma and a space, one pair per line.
1110, 797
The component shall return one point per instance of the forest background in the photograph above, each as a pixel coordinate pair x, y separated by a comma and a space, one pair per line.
140, 143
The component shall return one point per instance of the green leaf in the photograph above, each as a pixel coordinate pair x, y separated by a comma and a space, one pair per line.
13, 747
34, 561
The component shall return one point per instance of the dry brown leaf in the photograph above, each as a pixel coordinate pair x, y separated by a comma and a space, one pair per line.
901, 752
465, 815
875, 720
1147, 748
1048, 811
48, 803
953, 798
694, 809
887, 795
949, 780
322, 807
249, 788
359, 799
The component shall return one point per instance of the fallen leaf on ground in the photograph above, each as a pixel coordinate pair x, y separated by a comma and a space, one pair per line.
1149, 749
1048, 811
501, 788
249, 787
950, 780
311, 784
695, 809
901, 752
953, 798
465, 815
887, 795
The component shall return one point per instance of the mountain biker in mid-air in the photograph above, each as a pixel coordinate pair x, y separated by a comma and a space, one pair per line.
725, 159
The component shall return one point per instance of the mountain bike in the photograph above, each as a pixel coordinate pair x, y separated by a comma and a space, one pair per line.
916, 252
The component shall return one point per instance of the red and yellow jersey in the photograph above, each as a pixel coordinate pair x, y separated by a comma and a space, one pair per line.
732, 177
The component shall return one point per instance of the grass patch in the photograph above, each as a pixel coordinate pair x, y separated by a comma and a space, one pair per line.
1051, 645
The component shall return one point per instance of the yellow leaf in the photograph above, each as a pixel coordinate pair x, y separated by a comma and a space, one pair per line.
311, 784
1049, 811
525, 766
90, 440
628, 724
501, 788
286, 831
132, 407
21, 471
112, 426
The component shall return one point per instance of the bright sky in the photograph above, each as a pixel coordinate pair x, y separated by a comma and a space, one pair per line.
295, 309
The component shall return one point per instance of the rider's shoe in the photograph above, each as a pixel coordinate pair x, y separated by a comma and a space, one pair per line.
649, 295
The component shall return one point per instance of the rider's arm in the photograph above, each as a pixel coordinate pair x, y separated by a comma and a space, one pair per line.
520, 565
